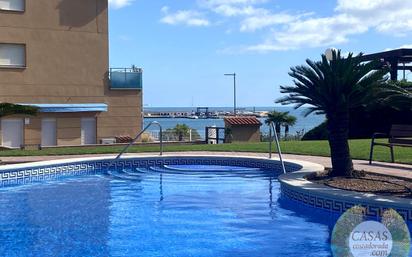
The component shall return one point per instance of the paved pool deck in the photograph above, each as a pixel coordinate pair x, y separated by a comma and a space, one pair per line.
392, 169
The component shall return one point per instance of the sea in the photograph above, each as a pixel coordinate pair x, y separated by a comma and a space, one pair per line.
303, 124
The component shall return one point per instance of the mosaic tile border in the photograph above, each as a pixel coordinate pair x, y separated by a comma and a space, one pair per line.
337, 205
28, 174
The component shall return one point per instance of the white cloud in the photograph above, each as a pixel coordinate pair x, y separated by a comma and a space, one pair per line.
313, 32
267, 19
392, 17
231, 11
233, 8
367, 6
320, 31
287, 30
185, 17
253, 15
165, 9
223, 8
386, 16
212, 3
117, 4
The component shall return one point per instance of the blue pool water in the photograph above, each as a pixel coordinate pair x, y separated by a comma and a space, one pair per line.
160, 211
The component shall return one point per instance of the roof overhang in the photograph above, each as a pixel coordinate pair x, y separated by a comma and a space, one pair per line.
401, 55
243, 121
396, 60
67, 108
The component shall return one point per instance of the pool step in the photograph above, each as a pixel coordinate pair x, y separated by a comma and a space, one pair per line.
162, 169
124, 175
210, 168
136, 173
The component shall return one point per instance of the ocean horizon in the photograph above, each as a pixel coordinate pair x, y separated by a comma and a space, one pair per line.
302, 124
219, 108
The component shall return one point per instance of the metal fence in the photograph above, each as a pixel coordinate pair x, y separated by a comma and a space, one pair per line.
297, 136
215, 135
170, 136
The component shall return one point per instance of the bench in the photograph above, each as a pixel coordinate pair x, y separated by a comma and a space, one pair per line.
399, 135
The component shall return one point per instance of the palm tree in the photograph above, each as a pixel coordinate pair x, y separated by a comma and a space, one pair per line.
181, 130
7, 109
277, 118
289, 122
281, 119
334, 88
398, 95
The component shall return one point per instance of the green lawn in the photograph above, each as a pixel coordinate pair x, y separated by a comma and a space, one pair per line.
359, 149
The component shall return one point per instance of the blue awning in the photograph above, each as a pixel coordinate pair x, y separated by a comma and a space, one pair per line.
95, 107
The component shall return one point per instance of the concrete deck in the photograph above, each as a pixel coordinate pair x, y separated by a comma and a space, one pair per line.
392, 169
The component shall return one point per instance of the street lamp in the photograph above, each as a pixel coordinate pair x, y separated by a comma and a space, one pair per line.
234, 90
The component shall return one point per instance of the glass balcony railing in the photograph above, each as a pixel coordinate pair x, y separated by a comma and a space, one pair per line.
126, 78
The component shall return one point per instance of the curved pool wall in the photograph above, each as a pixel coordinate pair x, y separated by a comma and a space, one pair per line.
144, 212
296, 188
32, 172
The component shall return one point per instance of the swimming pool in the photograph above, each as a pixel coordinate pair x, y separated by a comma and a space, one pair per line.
151, 207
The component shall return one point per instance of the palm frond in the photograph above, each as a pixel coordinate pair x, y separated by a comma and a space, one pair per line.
329, 86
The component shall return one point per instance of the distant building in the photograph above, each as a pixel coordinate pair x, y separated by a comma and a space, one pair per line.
243, 129
54, 54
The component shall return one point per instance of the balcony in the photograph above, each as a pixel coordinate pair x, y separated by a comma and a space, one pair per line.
126, 78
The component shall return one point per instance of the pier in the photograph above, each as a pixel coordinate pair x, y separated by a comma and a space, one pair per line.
202, 113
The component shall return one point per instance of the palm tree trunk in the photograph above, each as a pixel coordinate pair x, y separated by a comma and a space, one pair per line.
286, 131
338, 125
278, 128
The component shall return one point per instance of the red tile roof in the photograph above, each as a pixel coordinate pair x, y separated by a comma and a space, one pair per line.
242, 121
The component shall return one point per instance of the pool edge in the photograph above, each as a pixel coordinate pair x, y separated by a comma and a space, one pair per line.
296, 188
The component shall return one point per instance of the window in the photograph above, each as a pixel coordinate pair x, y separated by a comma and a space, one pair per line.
12, 5
12, 55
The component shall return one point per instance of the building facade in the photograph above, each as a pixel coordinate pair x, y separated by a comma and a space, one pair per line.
54, 54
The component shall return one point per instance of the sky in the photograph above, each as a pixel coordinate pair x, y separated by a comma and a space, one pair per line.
185, 46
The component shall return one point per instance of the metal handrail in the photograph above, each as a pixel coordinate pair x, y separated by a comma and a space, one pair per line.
272, 128
135, 70
139, 135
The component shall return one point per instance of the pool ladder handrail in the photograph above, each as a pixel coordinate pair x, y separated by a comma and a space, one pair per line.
272, 128
139, 135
